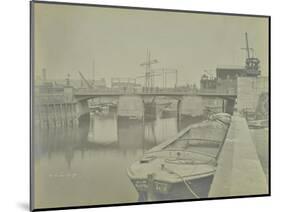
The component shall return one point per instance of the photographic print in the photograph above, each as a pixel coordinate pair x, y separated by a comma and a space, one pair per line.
139, 105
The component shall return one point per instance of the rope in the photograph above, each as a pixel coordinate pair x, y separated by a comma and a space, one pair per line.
186, 183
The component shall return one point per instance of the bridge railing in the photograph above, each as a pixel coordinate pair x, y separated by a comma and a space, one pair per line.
57, 98
226, 92
87, 91
168, 91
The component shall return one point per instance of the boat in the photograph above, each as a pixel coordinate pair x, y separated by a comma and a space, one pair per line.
168, 112
258, 124
130, 108
184, 166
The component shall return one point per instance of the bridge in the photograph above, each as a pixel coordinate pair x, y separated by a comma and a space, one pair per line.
64, 108
173, 92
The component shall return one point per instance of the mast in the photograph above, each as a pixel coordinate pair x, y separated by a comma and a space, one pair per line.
148, 74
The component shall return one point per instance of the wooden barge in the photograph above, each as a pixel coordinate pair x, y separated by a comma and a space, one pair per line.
184, 166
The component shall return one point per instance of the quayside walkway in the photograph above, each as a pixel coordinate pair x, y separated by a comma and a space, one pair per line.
239, 170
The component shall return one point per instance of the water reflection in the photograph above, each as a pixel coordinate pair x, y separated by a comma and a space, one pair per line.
87, 165
103, 129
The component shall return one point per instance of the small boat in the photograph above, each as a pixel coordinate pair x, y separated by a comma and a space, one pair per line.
168, 112
258, 124
130, 108
182, 167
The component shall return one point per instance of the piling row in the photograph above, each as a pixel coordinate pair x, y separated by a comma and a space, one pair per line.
56, 115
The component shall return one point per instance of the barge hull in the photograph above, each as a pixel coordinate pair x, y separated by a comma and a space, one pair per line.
176, 191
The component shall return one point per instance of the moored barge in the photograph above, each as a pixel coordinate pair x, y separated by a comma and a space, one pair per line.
184, 166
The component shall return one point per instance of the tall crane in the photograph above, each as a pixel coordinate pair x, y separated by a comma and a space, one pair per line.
252, 63
248, 49
247, 44
209, 72
85, 80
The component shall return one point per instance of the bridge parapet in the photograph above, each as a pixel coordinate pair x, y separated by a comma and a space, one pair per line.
153, 92
119, 92
228, 92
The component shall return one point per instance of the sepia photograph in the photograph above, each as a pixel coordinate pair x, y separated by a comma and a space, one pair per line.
141, 105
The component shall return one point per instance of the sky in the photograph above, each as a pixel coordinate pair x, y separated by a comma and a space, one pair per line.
69, 38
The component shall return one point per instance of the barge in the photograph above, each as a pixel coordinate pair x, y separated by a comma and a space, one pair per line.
184, 166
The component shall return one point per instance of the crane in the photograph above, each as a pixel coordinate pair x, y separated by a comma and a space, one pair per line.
209, 73
248, 49
252, 63
85, 80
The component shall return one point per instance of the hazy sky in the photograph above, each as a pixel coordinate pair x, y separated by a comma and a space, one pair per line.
67, 38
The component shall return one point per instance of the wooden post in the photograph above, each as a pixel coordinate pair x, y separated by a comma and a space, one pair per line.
91, 134
179, 113
150, 190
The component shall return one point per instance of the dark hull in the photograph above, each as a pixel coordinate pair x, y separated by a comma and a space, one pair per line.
180, 190
168, 114
112, 108
125, 120
192, 119
131, 119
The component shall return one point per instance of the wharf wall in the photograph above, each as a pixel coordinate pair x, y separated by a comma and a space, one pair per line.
252, 94
239, 170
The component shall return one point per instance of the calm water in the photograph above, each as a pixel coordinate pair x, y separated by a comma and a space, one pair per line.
87, 166
261, 141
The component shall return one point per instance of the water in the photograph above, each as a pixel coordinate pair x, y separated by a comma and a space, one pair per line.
261, 141
87, 165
